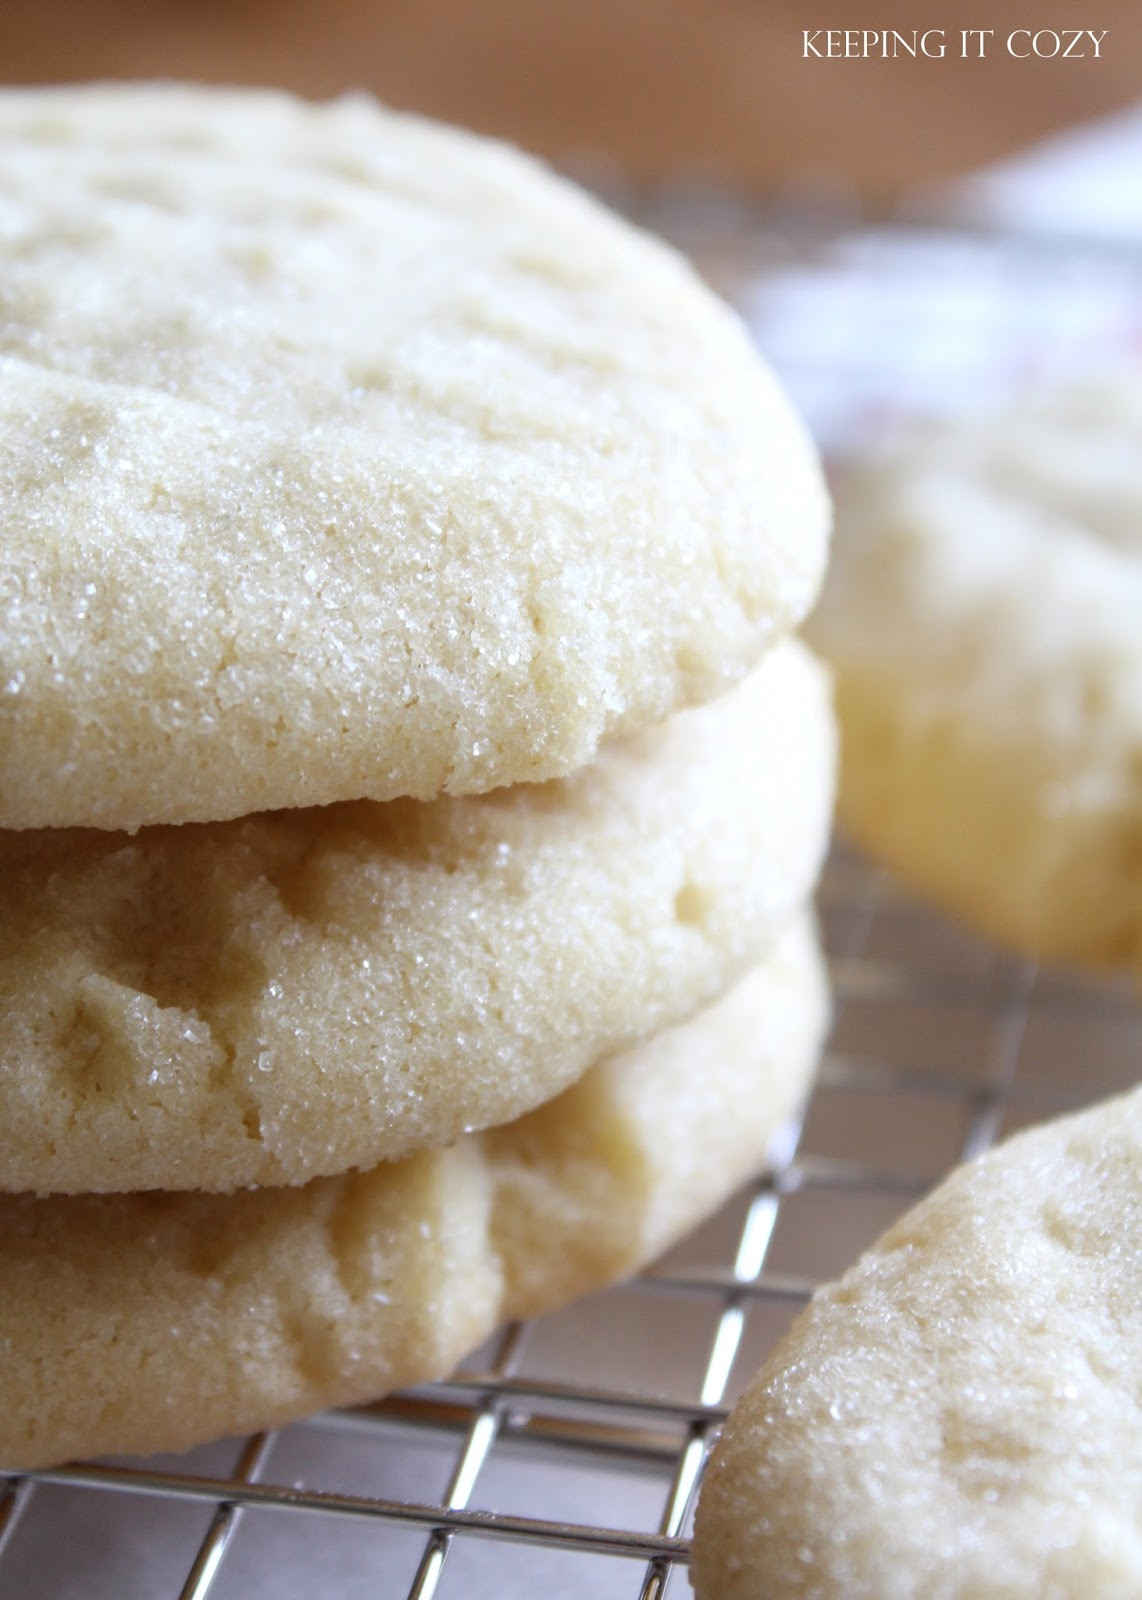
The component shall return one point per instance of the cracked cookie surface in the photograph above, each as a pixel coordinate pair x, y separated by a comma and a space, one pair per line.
151, 1322
348, 456
961, 1416
301, 992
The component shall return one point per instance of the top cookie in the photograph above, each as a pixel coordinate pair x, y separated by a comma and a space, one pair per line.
348, 456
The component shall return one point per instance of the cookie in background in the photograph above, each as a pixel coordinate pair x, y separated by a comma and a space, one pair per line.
982, 619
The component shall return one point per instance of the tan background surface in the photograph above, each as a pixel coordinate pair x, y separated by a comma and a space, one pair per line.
659, 85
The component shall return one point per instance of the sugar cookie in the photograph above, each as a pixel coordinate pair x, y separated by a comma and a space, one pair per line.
148, 1322
268, 999
983, 617
348, 456
961, 1416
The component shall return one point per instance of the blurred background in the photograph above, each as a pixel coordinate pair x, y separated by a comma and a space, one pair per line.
715, 88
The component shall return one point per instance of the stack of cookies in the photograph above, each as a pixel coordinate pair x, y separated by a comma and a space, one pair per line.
411, 793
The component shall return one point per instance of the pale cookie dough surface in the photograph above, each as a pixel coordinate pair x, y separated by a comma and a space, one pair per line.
348, 456
961, 1417
264, 1000
983, 617
148, 1322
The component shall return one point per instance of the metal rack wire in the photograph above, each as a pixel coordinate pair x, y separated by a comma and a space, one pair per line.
939, 1044
565, 1458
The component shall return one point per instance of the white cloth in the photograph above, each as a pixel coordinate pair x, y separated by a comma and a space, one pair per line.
1036, 271
1085, 181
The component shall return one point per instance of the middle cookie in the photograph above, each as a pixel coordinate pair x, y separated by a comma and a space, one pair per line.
297, 993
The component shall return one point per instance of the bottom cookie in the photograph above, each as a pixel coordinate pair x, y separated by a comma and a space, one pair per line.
961, 1417
145, 1322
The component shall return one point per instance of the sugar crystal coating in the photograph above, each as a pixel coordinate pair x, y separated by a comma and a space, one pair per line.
266, 999
960, 1417
348, 456
148, 1322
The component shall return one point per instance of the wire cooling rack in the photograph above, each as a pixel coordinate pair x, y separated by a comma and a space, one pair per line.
563, 1461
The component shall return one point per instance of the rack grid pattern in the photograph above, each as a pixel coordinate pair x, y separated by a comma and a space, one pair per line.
565, 1459
940, 1044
